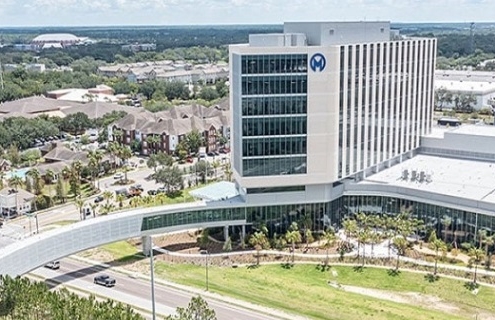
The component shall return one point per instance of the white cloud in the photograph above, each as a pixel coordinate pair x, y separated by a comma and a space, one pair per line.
106, 12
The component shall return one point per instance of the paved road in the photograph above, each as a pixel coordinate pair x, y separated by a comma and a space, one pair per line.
137, 292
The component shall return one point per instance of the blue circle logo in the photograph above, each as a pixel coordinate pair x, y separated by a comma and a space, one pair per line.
318, 62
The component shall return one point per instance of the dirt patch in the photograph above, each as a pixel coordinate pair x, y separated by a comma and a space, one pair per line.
414, 298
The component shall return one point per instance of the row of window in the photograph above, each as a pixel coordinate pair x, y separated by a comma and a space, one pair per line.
191, 217
273, 146
463, 226
269, 105
274, 126
274, 63
290, 84
273, 166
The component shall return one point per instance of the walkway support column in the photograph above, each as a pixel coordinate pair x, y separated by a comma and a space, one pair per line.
146, 245
243, 233
225, 233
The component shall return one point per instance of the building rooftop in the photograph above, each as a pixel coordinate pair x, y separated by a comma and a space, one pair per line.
469, 179
215, 192
466, 86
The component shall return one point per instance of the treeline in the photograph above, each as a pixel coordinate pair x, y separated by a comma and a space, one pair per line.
22, 132
23, 299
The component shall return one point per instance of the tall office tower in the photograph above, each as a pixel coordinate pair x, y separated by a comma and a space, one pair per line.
324, 101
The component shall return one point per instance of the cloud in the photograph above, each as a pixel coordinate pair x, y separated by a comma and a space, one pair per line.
105, 12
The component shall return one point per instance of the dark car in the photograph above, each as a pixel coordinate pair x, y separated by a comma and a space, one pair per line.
99, 199
152, 192
161, 190
104, 280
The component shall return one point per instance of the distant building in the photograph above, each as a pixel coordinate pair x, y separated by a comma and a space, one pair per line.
167, 71
57, 40
31, 67
101, 93
139, 47
479, 84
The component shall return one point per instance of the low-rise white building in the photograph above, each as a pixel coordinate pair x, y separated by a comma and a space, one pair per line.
482, 91
15, 202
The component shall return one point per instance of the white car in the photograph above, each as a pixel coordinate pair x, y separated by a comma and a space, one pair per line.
118, 175
53, 265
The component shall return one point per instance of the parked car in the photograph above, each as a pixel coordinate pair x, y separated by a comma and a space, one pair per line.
53, 265
138, 187
99, 199
151, 192
122, 191
104, 280
118, 175
161, 190
133, 192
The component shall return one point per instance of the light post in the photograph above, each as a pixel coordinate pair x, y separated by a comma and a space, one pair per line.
152, 270
205, 252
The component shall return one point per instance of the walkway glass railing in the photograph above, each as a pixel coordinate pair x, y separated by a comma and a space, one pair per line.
192, 217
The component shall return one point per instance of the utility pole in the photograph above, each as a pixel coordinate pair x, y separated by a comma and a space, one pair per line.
471, 39
152, 271
1, 77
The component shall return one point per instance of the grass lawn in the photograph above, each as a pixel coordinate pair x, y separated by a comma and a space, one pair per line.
120, 249
304, 290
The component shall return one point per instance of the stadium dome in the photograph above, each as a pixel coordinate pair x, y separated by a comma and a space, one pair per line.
64, 38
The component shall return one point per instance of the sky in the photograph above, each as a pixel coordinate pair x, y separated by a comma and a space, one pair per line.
200, 12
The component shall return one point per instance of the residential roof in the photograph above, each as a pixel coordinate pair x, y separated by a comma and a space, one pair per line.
61, 153
97, 109
35, 104
22, 194
56, 167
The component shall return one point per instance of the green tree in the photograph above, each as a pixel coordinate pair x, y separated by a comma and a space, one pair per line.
194, 140
172, 179
60, 191
197, 309
79, 202
476, 256
259, 241
35, 176
436, 245
125, 154
293, 236
400, 244
152, 162
329, 239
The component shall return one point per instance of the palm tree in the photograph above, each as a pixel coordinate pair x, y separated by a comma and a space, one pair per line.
106, 208
118, 135
228, 171
95, 158
113, 149
49, 176
216, 164
152, 141
488, 242
476, 256
93, 207
446, 222
362, 237
135, 202
79, 202
293, 236
328, 241
124, 154
400, 244
350, 227
259, 241
436, 245
120, 198
15, 182
107, 195
35, 176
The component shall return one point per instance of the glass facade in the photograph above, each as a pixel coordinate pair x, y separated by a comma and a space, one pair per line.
274, 119
463, 227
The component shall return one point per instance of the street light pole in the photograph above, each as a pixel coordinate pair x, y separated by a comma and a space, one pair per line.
152, 270
206, 266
